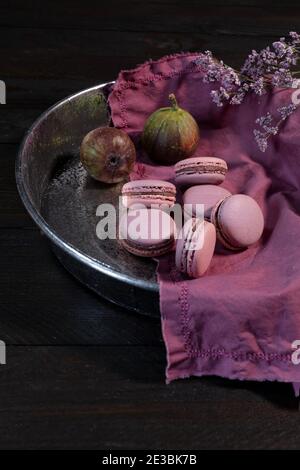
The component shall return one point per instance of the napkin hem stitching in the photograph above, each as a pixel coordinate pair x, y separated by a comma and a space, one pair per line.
192, 67
219, 353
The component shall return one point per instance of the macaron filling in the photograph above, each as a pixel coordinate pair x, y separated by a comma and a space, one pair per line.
148, 193
142, 193
223, 237
154, 247
147, 232
188, 254
167, 196
201, 169
190, 257
186, 244
195, 247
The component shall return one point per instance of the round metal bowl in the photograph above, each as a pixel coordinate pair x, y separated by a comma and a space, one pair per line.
62, 199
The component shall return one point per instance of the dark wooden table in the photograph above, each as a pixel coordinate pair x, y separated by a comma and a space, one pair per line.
82, 373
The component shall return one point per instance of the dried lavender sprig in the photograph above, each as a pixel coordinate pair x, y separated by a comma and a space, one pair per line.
260, 70
269, 129
269, 67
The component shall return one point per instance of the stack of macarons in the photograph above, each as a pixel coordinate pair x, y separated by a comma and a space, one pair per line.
235, 220
147, 229
238, 219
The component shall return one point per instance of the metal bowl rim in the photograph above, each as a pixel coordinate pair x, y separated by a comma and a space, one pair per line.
45, 227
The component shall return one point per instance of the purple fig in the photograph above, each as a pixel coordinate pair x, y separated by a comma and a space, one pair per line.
108, 154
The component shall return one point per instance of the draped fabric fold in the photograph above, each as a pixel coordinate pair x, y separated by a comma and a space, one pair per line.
239, 320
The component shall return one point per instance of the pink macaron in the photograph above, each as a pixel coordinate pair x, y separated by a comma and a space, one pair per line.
238, 220
200, 170
147, 232
195, 247
200, 200
148, 192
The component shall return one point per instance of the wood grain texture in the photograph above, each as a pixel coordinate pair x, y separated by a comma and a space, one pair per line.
81, 372
115, 398
83, 55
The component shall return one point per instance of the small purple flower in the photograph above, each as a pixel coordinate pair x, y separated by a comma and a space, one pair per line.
282, 78
286, 111
216, 97
258, 86
260, 140
264, 120
280, 48
237, 98
230, 79
294, 36
268, 127
261, 70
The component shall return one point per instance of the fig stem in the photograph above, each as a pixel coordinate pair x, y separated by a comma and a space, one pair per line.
173, 101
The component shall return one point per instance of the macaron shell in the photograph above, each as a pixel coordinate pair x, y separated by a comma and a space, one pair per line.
194, 249
239, 221
149, 252
181, 244
206, 194
200, 170
197, 178
195, 161
147, 201
148, 192
147, 232
202, 257
157, 185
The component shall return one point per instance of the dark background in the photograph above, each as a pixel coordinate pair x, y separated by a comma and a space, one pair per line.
80, 372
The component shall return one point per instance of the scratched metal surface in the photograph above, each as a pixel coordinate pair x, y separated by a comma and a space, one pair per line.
62, 199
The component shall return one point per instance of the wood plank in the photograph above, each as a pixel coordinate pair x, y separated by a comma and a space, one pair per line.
12, 212
89, 53
240, 17
40, 303
47, 74
15, 122
35, 94
64, 310
116, 398
98, 380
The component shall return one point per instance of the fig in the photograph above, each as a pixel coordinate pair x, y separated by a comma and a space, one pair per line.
170, 134
108, 154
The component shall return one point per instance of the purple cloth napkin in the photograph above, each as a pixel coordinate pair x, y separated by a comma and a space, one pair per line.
239, 320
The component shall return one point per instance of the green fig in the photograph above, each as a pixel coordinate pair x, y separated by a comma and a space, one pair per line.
170, 134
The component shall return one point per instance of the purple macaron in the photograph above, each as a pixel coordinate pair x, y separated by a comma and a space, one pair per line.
148, 192
195, 247
238, 220
200, 170
147, 232
201, 199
